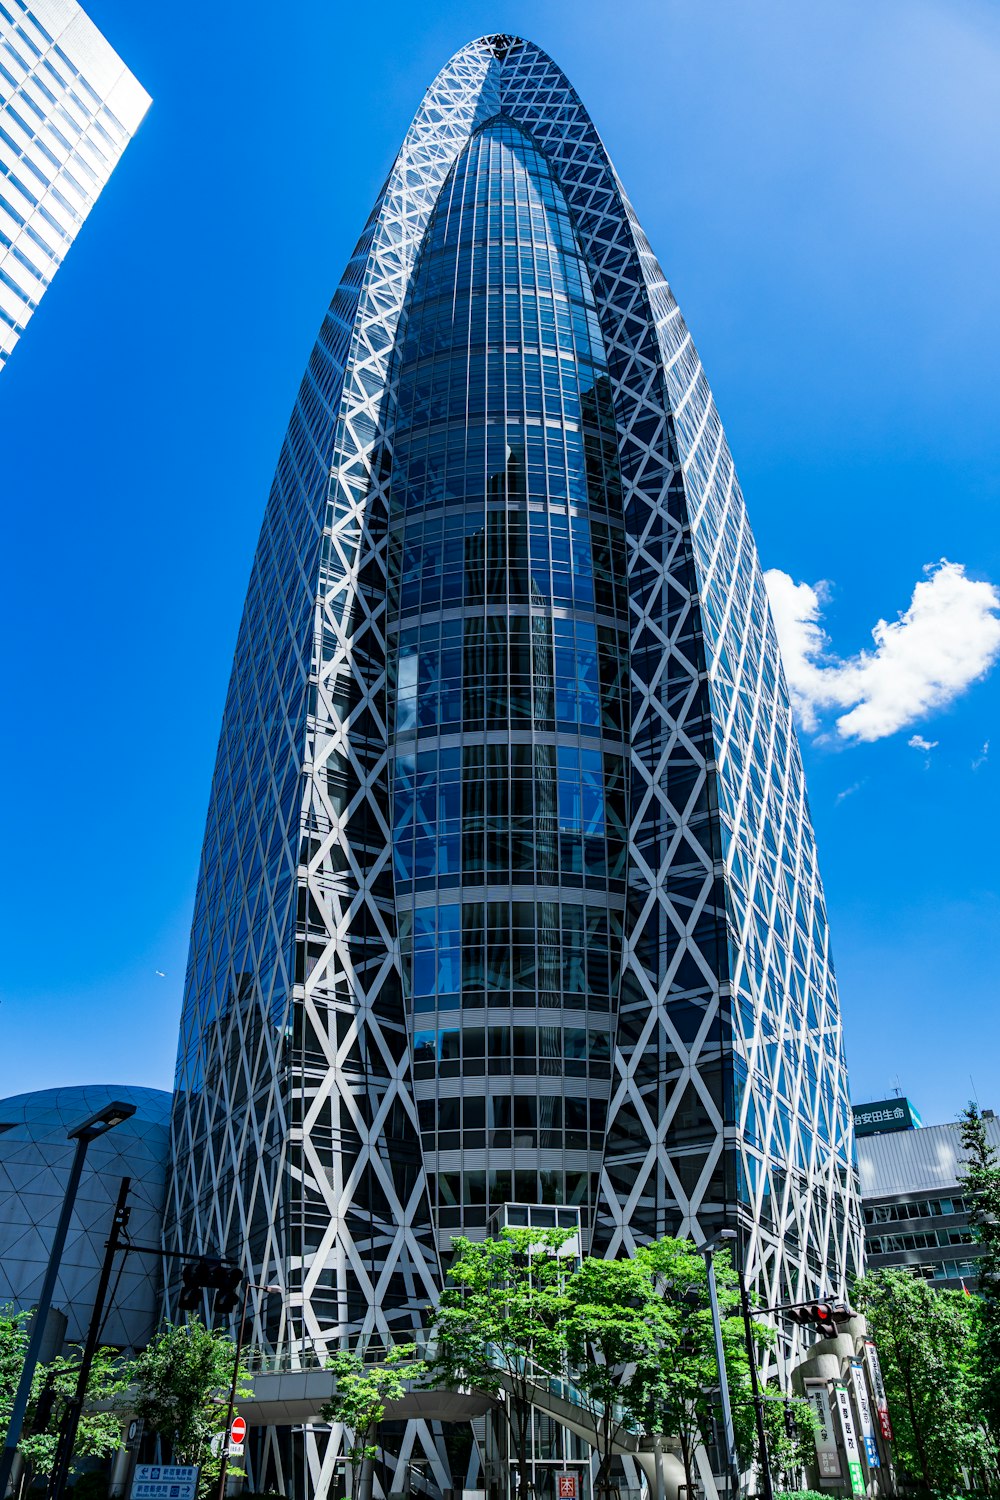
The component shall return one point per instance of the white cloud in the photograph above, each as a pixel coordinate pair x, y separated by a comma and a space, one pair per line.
917, 742
946, 639
982, 757
796, 611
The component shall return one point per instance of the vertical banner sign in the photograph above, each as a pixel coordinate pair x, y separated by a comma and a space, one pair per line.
827, 1452
848, 1436
878, 1390
862, 1405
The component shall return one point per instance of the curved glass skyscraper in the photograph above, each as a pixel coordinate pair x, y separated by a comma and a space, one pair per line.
509, 890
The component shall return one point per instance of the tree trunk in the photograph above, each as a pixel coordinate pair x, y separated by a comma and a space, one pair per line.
686, 1457
602, 1447
520, 1431
917, 1433
602, 1479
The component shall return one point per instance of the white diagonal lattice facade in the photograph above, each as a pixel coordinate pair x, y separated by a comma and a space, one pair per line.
509, 887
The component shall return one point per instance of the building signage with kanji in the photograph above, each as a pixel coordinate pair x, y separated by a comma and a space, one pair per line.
827, 1450
848, 1436
878, 1390
862, 1406
885, 1115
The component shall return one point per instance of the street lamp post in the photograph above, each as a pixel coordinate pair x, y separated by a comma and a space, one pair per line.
708, 1250
251, 1286
100, 1123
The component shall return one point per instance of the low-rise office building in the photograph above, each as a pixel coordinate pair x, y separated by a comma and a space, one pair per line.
915, 1211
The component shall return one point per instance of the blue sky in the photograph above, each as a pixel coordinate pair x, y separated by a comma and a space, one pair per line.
820, 185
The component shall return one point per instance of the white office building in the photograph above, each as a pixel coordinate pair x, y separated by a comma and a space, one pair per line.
68, 108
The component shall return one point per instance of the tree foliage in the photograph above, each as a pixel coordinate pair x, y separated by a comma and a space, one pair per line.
13, 1344
635, 1337
360, 1395
981, 1181
53, 1385
180, 1389
681, 1388
790, 1428
618, 1328
926, 1342
500, 1320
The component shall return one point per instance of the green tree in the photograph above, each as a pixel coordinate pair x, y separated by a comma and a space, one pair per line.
790, 1432
925, 1339
180, 1388
980, 1179
98, 1433
360, 1396
676, 1393
500, 1320
13, 1344
618, 1328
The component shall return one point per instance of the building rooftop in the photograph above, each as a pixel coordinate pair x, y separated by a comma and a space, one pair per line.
915, 1161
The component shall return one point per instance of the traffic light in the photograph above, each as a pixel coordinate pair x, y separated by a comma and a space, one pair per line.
791, 1427
228, 1283
194, 1278
208, 1274
824, 1317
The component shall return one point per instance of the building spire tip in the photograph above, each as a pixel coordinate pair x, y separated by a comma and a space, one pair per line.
499, 44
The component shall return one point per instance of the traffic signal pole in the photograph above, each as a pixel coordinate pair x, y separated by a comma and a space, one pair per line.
250, 1286
241, 1335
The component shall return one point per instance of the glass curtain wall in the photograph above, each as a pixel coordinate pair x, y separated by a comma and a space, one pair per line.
508, 654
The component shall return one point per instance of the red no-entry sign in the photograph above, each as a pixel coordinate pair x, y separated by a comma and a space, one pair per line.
238, 1431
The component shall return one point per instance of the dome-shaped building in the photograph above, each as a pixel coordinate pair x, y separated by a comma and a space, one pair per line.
35, 1159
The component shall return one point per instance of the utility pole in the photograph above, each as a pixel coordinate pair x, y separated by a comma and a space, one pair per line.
74, 1407
758, 1404
250, 1286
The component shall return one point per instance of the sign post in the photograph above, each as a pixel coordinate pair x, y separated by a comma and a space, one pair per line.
237, 1433
567, 1487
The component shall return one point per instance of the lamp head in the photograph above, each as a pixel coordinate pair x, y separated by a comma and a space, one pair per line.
717, 1240
116, 1112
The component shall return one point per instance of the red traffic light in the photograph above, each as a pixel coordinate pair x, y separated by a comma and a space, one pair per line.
824, 1317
